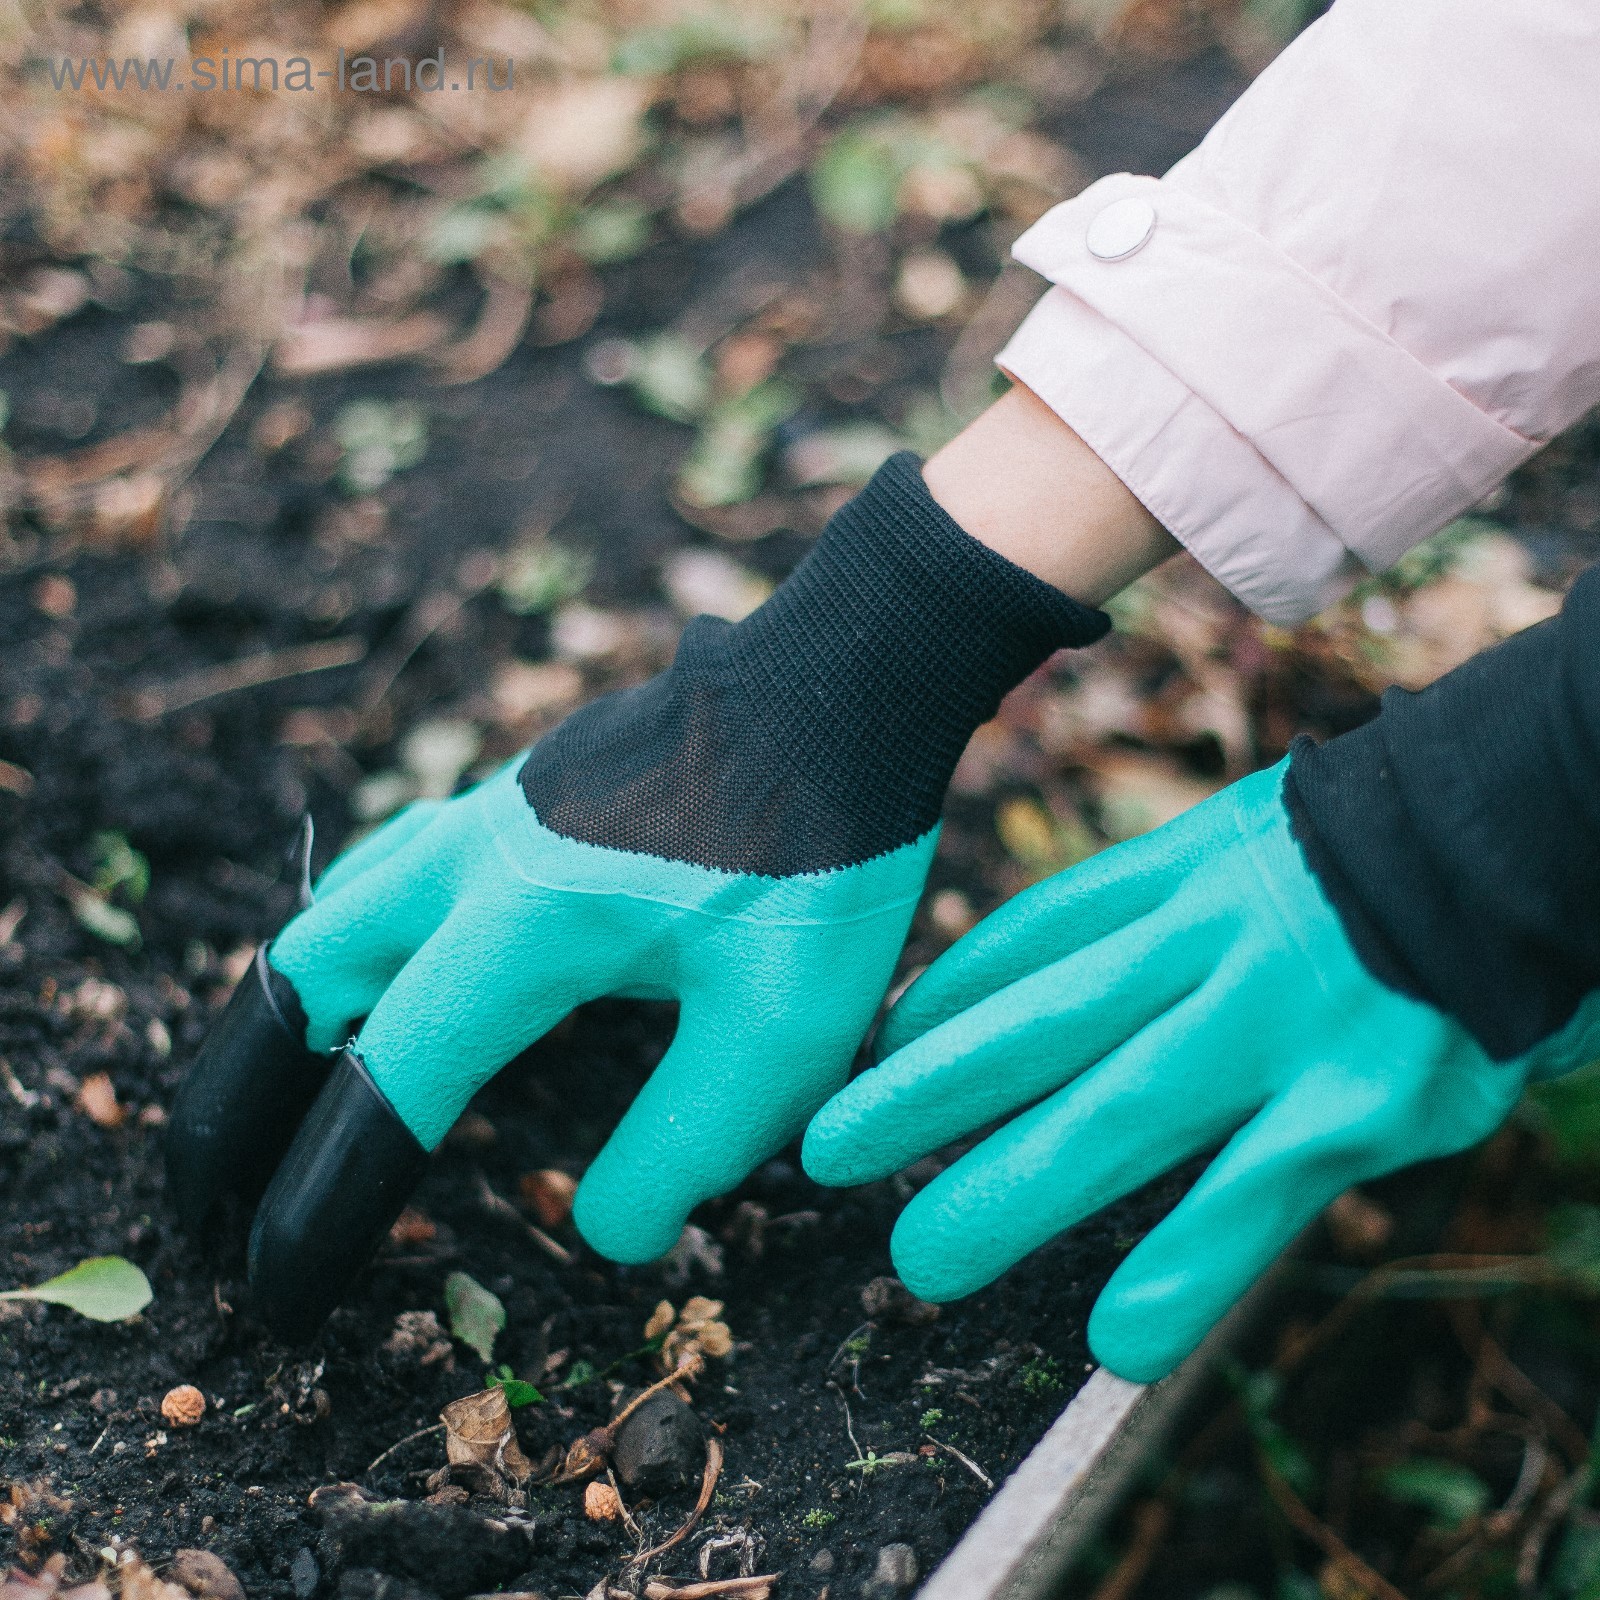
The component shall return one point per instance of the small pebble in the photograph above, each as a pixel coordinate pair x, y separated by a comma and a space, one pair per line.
894, 1575
304, 1574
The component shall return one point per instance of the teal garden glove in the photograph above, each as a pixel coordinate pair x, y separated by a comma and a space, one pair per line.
1179, 990
747, 833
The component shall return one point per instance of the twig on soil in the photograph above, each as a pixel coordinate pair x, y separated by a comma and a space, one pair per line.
497, 1206
269, 666
1151, 1520
756, 1588
622, 1506
708, 1486
965, 1460
410, 1438
849, 1425
1305, 1522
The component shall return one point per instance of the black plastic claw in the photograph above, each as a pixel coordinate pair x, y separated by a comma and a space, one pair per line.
250, 1086
347, 1176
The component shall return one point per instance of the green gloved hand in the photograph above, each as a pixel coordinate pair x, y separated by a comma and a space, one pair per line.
748, 833
1182, 989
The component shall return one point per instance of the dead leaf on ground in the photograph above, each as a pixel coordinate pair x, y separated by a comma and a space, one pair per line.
480, 1443
97, 1100
549, 1194
696, 1331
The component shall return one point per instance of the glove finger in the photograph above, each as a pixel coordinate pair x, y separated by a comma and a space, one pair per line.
1004, 1053
736, 1085
1336, 1125
1039, 926
470, 1000
346, 948
376, 846
1121, 1124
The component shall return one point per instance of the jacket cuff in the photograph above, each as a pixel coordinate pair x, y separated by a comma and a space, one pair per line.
1283, 438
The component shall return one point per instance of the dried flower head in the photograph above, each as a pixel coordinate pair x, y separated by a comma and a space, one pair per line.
183, 1406
695, 1331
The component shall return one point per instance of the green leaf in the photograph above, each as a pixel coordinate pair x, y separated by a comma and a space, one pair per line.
612, 230
1567, 1112
540, 575
669, 376
1448, 1493
1572, 1243
103, 1288
379, 438
1576, 1569
476, 1316
106, 921
518, 1392
579, 1373
724, 467
119, 866
855, 182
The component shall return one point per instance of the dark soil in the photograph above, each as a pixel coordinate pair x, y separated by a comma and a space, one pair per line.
211, 795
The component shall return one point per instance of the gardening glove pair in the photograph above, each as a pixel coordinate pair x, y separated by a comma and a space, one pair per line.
747, 833
1179, 990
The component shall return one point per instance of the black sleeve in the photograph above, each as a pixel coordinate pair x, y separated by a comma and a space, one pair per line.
1457, 834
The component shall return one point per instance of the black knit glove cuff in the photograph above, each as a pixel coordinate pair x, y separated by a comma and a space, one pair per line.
892, 641
823, 729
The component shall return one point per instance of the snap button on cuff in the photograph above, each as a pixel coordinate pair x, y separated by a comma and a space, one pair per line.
1122, 229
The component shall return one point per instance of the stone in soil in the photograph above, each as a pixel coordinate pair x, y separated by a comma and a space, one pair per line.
661, 1447
894, 1573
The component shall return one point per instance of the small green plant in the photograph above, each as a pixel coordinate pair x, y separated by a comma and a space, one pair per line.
930, 1418
1041, 1375
872, 1462
540, 575
518, 1391
377, 439
853, 1349
816, 1519
103, 1288
580, 1373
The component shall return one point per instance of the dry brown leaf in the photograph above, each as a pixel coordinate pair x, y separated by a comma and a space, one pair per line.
336, 344
97, 1100
692, 1333
549, 1193
525, 691
480, 1442
578, 132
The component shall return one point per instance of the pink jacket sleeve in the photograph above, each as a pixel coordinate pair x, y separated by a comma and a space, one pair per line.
1371, 292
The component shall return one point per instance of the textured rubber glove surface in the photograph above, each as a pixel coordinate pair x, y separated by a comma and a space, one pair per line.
1174, 992
463, 930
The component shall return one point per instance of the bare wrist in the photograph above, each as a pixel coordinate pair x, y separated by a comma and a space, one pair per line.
1021, 481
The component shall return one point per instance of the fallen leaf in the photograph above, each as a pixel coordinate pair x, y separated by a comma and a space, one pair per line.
690, 1334
476, 1316
549, 1193
336, 344
103, 1288
480, 1442
710, 583
97, 1100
